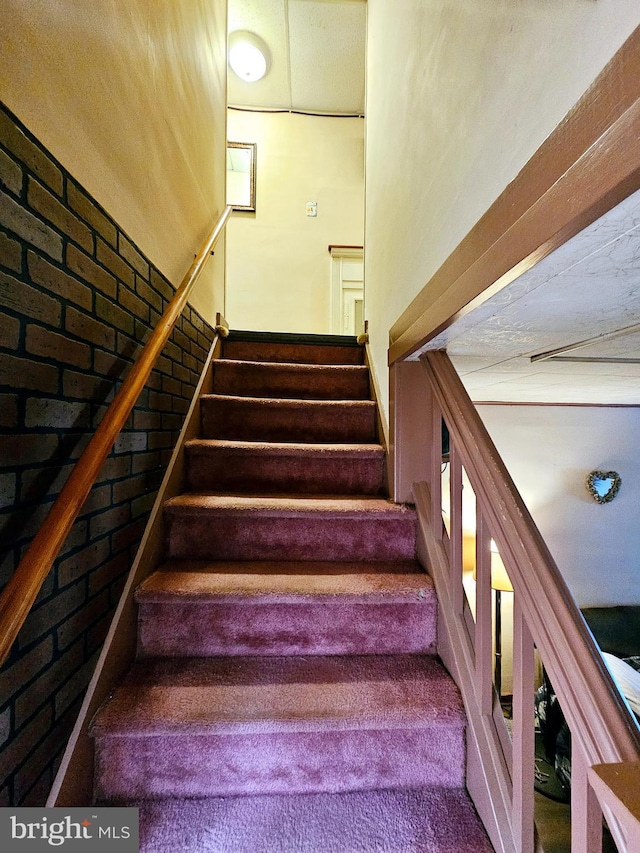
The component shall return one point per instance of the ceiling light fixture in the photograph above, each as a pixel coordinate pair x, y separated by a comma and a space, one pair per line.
248, 56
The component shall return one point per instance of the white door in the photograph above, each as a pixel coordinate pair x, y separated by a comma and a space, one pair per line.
347, 290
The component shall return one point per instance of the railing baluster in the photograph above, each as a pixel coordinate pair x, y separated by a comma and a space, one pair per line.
586, 814
436, 467
484, 632
523, 732
455, 529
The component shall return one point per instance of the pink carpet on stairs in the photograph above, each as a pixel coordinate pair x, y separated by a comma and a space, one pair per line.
409, 821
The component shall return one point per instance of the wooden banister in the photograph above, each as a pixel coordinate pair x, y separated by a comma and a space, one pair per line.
592, 704
545, 616
22, 589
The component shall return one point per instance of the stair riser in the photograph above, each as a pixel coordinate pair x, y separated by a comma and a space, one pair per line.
246, 420
303, 353
224, 471
300, 762
300, 382
212, 536
323, 628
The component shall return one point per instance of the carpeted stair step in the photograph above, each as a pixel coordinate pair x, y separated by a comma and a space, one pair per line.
272, 419
197, 727
235, 466
208, 613
219, 527
424, 820
301, 349
296, 381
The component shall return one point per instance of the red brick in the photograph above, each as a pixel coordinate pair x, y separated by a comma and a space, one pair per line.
171, 386
115, 467
9, 331
146, 292
97, 635
22, 373
31, 699
146, 420
89, 329
31, 488
24, 299
82, 619
23, 743
27, 666
86, 268
114, 263
75, 567
133, 303
8, 410
27, 449
130, 442
30, 154
133, 256
55, 609
52, 210
74, 688
10, 174
81, 386
108, 521
10, 253
162, 286
145, 462
58, 282
91, 213
113, 314
14, 217
41, 341
103, 577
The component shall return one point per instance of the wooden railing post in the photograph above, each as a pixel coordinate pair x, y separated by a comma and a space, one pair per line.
523, 732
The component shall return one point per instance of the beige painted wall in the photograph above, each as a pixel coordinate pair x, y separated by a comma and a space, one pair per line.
278, 264
130, 98
591, 542
460, 95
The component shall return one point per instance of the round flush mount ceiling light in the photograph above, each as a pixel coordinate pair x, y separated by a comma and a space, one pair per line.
248, 56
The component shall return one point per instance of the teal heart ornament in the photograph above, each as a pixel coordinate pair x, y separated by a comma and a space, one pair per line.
603, 485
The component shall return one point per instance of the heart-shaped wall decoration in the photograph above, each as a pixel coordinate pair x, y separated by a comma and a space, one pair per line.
603, 485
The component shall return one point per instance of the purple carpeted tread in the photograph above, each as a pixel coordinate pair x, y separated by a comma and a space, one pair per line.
271, 528
271, 419
245, 467
201, 727
297, 381
200, 613
295, 567
287, 588
252, 695
426, 820
300, 353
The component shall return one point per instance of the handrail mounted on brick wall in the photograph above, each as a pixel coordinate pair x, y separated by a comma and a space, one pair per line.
21, 591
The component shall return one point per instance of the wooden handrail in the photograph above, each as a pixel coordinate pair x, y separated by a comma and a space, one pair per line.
592, 704
22, 589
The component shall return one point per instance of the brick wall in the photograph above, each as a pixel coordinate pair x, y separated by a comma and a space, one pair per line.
76, 299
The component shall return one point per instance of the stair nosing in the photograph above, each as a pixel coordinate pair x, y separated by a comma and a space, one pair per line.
301, 705
163, 587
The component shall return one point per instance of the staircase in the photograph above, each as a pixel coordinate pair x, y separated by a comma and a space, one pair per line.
287, 697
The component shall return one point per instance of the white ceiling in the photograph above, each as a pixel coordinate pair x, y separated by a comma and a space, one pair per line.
317, 55
588, 287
